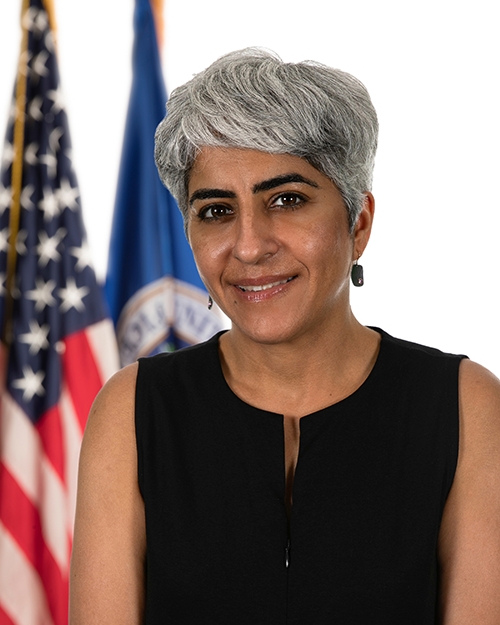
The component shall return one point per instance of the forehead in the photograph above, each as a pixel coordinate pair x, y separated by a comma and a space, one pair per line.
231, 168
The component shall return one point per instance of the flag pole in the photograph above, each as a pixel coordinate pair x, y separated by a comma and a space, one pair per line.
17, 176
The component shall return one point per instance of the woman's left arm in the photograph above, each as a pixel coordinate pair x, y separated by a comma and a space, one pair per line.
469, 540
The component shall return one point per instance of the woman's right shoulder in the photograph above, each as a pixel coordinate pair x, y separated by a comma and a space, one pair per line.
119, 390
123, 381
112, 417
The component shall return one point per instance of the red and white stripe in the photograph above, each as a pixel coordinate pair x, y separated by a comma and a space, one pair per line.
38, 474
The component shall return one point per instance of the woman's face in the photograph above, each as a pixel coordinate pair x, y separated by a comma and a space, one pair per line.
271, 240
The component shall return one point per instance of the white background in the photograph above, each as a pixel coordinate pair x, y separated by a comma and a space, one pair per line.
432, 69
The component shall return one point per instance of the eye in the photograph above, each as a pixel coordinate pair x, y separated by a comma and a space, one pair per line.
288, 200
214, 212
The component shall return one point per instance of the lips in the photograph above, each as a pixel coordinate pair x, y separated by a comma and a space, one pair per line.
262, 287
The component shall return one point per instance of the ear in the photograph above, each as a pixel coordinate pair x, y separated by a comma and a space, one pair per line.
363, 227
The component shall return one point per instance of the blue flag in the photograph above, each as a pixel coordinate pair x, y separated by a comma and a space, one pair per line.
156, 297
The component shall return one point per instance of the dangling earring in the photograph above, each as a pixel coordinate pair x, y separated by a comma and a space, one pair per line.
357, 274
210, 302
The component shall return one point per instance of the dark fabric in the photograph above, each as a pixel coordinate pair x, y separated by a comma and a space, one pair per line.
372, 477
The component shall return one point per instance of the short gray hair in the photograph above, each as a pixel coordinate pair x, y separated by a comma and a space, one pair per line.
251, 99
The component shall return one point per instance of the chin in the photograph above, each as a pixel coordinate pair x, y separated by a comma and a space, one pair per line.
268, 332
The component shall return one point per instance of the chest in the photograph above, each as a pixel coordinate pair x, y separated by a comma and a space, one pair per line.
359, 540
291, 435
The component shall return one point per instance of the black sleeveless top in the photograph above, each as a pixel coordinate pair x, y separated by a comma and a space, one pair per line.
372, 478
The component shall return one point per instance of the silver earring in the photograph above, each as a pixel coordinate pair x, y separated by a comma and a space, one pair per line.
210, 302
357, 274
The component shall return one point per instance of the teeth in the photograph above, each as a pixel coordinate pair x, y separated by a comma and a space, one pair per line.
263, 287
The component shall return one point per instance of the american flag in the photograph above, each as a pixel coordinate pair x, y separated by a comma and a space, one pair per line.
58, 347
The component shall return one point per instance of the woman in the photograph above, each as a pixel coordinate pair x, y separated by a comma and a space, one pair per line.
195, 505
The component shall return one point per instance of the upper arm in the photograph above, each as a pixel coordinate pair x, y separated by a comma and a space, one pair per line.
469, 542
107, 566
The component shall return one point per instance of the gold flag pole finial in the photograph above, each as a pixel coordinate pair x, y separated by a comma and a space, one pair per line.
49, 7
157, 8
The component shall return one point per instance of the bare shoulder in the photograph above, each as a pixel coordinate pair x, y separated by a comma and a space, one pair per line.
478, 385
113, 410
119, 391
107, 568
108, 448
469, 544
479, 414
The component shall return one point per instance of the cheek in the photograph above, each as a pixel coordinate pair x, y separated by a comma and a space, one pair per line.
328, 255
325, 242
209, 254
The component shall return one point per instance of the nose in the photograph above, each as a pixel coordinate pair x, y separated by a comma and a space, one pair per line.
255, 238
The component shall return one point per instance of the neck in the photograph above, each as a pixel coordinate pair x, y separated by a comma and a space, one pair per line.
301, 375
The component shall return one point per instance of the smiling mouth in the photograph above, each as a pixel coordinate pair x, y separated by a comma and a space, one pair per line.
264, 287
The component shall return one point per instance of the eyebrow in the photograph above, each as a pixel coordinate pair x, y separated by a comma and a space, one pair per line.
272, 183
265, 185
209, 194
